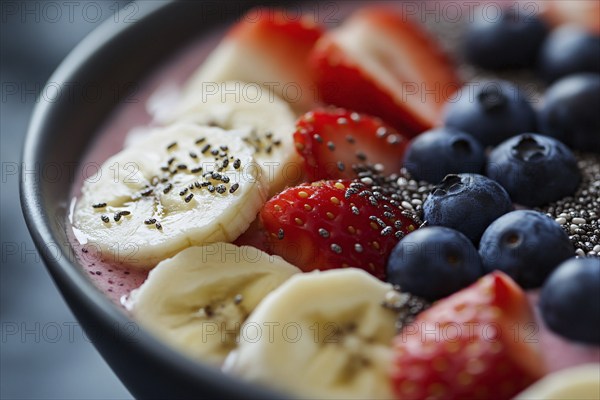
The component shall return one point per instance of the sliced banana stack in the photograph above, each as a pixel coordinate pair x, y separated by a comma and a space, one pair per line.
320, 335
181, 186
197, 300
260, 117
576, 383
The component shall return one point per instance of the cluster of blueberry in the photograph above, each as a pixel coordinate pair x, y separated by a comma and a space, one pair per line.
496, 150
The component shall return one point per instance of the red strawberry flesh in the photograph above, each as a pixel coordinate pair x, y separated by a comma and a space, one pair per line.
333, 141
381, 63
478, 343
334, 224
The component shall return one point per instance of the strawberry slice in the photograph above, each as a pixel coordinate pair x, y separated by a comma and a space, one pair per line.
269, 47
381, 63
335, 224
334, 140
479, 343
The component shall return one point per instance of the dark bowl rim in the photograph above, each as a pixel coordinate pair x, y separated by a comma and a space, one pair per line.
68, 272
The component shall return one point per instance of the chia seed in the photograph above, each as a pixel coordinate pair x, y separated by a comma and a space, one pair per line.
336, 248
386, 231
406, 305
221, 189
579, 214
238, 299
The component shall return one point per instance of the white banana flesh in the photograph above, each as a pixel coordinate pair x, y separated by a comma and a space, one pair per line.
197, 300
233, 60
258, 116
581, 383
323, 335
156, 198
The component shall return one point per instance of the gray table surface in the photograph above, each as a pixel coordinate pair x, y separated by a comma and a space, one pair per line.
43, 351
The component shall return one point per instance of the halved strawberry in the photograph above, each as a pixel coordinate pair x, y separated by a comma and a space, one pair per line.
479, 343
335, 224
381, 63
332, 140
269, 47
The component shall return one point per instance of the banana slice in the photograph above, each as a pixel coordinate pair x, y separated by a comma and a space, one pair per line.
320, 335
581, 383
197, 300
235, 60
261, 118
183, 185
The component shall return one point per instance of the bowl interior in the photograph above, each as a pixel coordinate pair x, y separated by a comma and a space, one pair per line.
113, 59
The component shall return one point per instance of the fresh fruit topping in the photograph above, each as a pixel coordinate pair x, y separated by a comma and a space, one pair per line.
336, 224
330, 325
581, 382
491, 112
334, 142
570, 112
434, 262
526, 245
269, 48
474, 344
380, 62
570, 300
264, 122
569, 50
439, 152
197, 300
512, 39
534, 169
178, 186
468, 203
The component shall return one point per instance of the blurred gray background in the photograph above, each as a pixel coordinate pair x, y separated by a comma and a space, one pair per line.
44, 353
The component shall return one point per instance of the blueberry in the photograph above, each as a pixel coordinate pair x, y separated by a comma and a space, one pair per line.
491, 112
569, 50
534, 169
467, 203
438, 152
526, 245
570, 112
434, 262
512, 40
570, 300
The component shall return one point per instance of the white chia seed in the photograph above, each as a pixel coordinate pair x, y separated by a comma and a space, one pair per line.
579, 214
